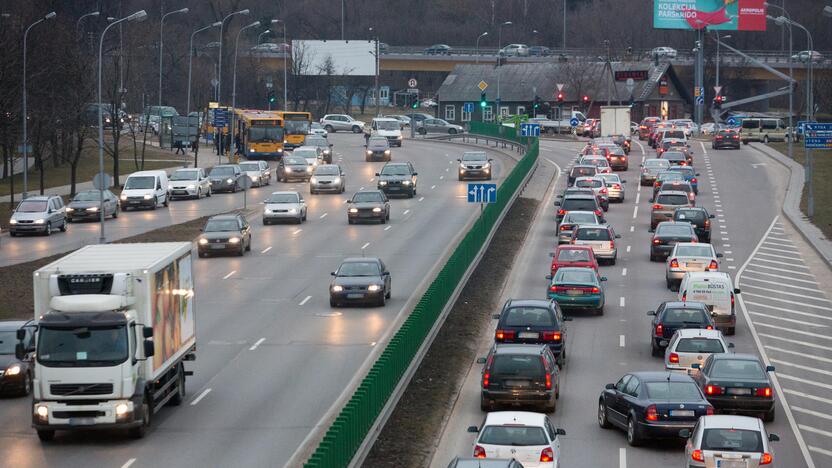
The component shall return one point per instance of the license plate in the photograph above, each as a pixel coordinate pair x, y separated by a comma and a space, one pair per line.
682, 413
355, 296
731, 464
529, 335
218, 246
693, 265
739, 391
574, 292
81, 421
135, 202
517, 383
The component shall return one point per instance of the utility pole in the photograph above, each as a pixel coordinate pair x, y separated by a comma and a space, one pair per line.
699, 93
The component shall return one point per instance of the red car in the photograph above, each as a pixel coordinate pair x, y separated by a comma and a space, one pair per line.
573, 256
646, 125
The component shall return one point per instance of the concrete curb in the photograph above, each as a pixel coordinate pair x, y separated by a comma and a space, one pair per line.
791, 204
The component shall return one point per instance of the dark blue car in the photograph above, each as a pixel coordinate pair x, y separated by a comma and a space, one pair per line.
533, 321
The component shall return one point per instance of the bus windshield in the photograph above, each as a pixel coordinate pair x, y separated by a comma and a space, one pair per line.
271, 134
296, 127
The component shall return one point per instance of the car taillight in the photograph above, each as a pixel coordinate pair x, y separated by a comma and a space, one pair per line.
766, 459
565, 227
696, 455
595, 290
604, 190
643, 127
707, 223
684, 296
552, 336
659, 330
479, 452
561, 212
713, 390
547, 455
674, 358
736, 137
548, 382
719, 137
504, 335
657, 207
486, 376
616, 186
674, 263
732, 300
652, 414
763, 392
597, 212
657, 184
713, 266
683, 163
710, 411
693, 181
612, 243
657, 241
709, 327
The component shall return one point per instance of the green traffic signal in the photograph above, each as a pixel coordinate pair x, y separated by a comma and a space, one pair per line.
415, 105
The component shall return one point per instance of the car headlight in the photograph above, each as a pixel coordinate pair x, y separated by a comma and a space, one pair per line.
353, 210
190, 187
122, 409
267, 211
376, 210
399, 137
14, 369
92, 208
288, 169
386, 151
309, 168
42, 411
337, 288
373, 288
69, 210
293, 211
148, 197
382, 182
230, 181
313, 180
486, 166
369, 152
337, 180
203, 241
123, 197
251, 150
406, 182
234, 240
12, 221
38, 221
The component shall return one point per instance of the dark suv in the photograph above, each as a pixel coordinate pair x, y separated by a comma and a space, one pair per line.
398, 179
699, 218
520, 375
578, 203
533, 321
672, 316
585, 170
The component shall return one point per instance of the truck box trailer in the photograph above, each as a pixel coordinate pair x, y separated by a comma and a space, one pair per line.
114, 324
615, 120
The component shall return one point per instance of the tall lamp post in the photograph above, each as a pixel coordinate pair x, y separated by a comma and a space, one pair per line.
375, 57
477, 47
718, 61
260, 36
792, 131
161, 46
234, 78
87, 15
48, 16
499, 59
140, 15
285, 64
219, 65
190, 68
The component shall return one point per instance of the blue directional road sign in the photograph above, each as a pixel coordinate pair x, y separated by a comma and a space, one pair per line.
731, 121
220, 117
801, 124
529, 130
574, 122
482, 193
818, 135
468, 107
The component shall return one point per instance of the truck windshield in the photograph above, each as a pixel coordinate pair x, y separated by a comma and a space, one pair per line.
83, 346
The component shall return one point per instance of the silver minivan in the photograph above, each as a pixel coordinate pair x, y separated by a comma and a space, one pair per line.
39, 215
763, 130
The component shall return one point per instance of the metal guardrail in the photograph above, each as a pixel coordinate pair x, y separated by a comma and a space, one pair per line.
351, 427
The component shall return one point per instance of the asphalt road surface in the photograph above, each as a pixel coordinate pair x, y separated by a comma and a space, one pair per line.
790, 314
272, 355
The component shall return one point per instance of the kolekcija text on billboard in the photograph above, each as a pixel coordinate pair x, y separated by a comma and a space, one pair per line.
727, 15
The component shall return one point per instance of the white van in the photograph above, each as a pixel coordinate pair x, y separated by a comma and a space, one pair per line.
716, 290
763, 130
145, 189
388, 128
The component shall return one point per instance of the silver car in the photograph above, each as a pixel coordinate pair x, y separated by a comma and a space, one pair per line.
651, 168
615, 187
728, 441
601, 238
515, 50
282, 206
327, 178
599, 188
40, 215
692, 346
190, 182
572, 219
258, 172
439, 126
689, 256
343, 122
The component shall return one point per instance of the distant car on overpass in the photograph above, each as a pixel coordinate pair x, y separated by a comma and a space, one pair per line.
438, 49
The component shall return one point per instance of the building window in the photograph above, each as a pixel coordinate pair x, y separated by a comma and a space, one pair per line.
488, 114
450, 113
466, 116
521, 110
384, 93
503, 111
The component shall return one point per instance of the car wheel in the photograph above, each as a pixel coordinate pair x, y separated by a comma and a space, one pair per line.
668, 284
48, 229
599, 311
210, 192
299, 220
63, 226
768, 416
46, 435
730, 331
332, 302
356, 129
653, 257
382, 301
166, 202
248, 246
633, 433
329, 129
242, 251
116, 212
351, 221
614, 259
198, 193
602, 415
452, 131
266, 222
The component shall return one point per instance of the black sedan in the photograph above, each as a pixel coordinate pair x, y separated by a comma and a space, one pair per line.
229, 233
654, 405
87, 205
737, 384
672, 316
398, 179
15, 373
368, 205
666, 235
225, 178
726, 139
363, 280
533, 321
293, 168
699, 218
377, 149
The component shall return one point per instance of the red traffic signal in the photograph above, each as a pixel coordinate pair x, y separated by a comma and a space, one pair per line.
586, 99
560, 97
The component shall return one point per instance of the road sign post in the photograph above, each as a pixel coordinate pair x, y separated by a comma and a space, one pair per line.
529, 130
482, 194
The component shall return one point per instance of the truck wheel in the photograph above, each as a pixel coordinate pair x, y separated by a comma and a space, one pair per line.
179, 396
46, 435
147, 411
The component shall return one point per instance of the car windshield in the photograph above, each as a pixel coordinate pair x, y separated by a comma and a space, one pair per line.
703, 250
683, 315
593, 234
676, 185
528, 317
222, 171
679, 391
598, 162
690, 215
296, 127
669, 176
8, 340
265, 134
610, 178
140, 182
574, 255
673, 155
520, 365
185, 175
672, 199
221, 225
578, 204
327, 170
737, 369
375, 142
367, 197
699, 345
513, 436
686, 170
387, 125
656, 163
358, 269
294, 161
673, 230
575, 276
474, 156
82, 346
582, 171
732, 440
32, 206
395, 169
580, 218
249, 167
592, 183
90, 195
283, 198
305, 153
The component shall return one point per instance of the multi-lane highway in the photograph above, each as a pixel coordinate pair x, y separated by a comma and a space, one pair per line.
785, 301
272, 356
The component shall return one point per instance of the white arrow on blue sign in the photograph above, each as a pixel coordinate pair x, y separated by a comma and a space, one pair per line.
574, 122
468, 107
731, 121
482, 193
529, 130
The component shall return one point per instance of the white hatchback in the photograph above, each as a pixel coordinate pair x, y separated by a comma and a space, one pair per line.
530, 438
728, 441
690, 346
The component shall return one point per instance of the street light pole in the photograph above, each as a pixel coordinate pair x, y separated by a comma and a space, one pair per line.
718, 61
477, 59
140, 15
342, 20
190, 68
260, 36
78, 23
792, 131
234, 79
25, 110
161, 46
499, 60
285, 64
219, 66
564, 26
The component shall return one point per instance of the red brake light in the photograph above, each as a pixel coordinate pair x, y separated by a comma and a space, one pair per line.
766, 459
485, 379
732, 300
684, 296
548, 381
652, 414
763, 392
693, 181
617, 186
707, 223
565, 227
674, 358
656, 184
674, 263
561, 212
713, 265
659, 330
597, 212
709, 327
710, 411
696, 455
547, 455
719, 137
596, 290
713, 390
479, 452
552, 335
657, 206
604, 190
657, 241
504, 334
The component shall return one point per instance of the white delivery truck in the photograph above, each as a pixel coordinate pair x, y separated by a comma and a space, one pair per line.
615, 120
113, 324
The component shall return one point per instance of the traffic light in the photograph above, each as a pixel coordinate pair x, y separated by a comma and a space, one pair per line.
718, 102
560, 97
272, 97
586, 99
483, 101
415, 104
536, 104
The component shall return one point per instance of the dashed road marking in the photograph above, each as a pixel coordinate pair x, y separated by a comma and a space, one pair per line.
421, 198
624, 272
323, 216
387, 228
621, 301
365, 246
305, 300
200, 396
256, 344
621, 340
128, 463
229, 275
266, 249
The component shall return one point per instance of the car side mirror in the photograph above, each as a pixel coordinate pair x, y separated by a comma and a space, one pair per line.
19, 351
415, 173
719, 255
481, 360
618, 236
20, 334
548, 277
685, 433
736, 290
330, 145
349, 201
696, 365
201, 230
473, 429
710, 216
378, 174
652, 200
769, 368
603, 278
458, 160
149, 350
566, 318
386, 273
730, 345
773, 438
147, 332
610, 386
557, 203
651, 312
560, 431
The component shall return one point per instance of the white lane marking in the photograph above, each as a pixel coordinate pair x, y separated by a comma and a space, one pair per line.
808, 397
621, 301
372, 179
365, 246
323, 216
635, 211
774, 380
816, 430
732, 267
421, 198
622, 452
794, 251
795, 312
297, 231
781, 256
782, 270
639, 189
229, 275
200, 396
305, 300
704, 151
790, 330
774, 317
621, 340
729, 259
362, 188
128, 463
782, 244
628, 250
723, 232
387, 228
447, 169
797, 342
266, 249
406, 212
804, 304
632, 228
624, 272
781, 263
801, 367
816, 414
638, 198
640, 146
432, 187
256, 344
802, 355
780, 283
441, 177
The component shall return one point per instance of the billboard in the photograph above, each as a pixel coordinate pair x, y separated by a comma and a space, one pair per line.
727, 15
337, 58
